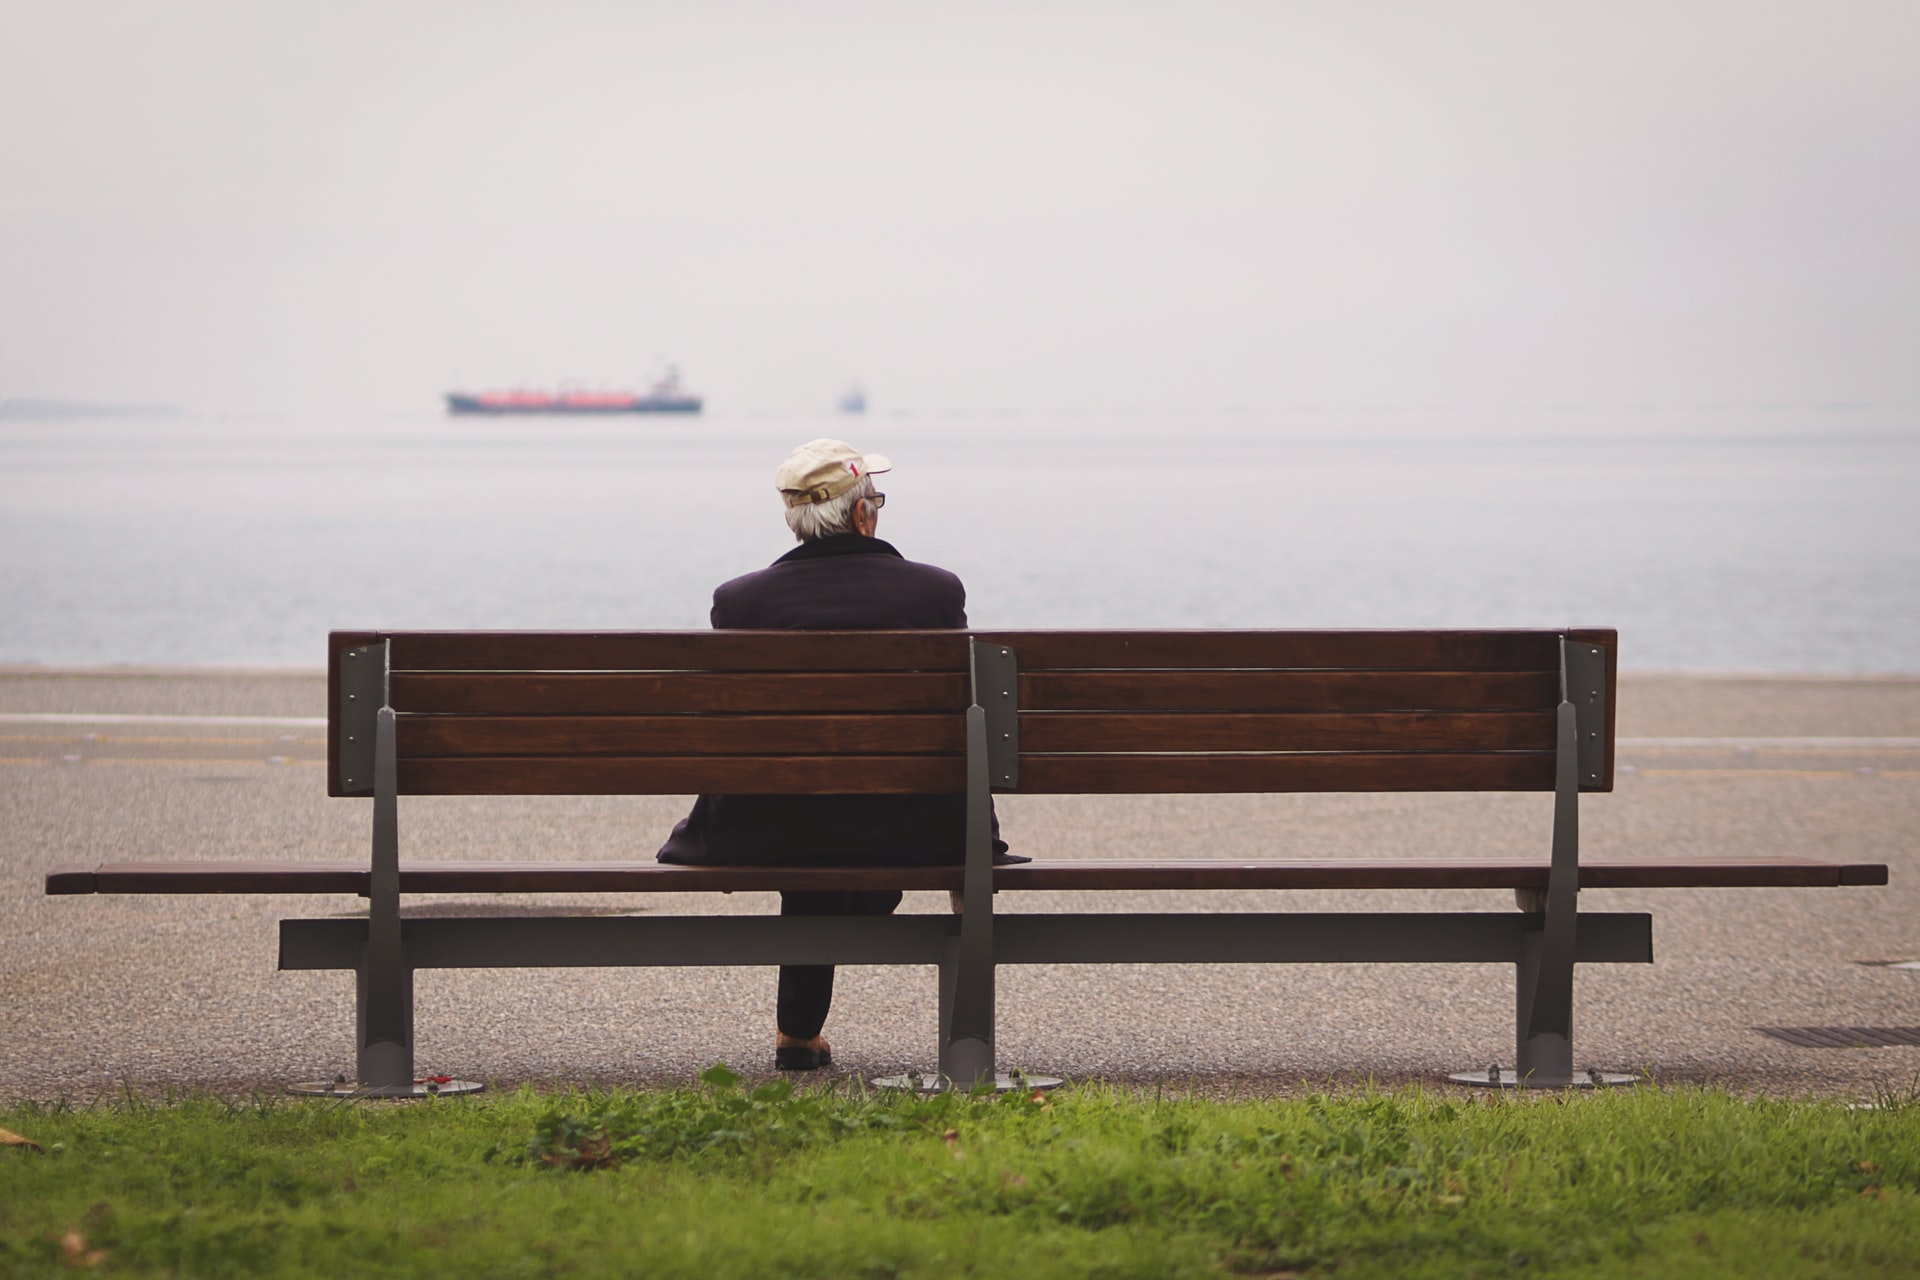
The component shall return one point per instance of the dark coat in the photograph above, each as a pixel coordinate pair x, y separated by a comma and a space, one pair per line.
842, 583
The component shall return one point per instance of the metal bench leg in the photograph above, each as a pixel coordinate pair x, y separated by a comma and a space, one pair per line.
1543, 977
966, 1013
967, 961
1543, 1022
1543, 1031
385, 997
966, 1033
383, 1021
383, 980
949, 970
964, 1060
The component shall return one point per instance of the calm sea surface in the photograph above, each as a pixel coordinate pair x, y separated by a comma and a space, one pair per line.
1721, 548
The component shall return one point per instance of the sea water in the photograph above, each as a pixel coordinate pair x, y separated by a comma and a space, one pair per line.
1713, 543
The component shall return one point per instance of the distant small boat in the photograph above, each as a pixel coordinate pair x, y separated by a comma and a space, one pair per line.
667, 396
854, 401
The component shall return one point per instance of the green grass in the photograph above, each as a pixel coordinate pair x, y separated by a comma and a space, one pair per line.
719, 1181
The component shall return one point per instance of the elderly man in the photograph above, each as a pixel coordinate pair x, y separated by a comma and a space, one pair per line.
840, 577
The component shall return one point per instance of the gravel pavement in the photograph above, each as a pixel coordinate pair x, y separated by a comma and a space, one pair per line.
102, 993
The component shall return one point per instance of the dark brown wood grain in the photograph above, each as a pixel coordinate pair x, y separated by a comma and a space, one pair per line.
1324, 650
1043, 875
680, 651
1413, 771
684, 735
1500, 650
231, 877
913, 734
1341, 691
653, 693
70, 880
1374, 699
684, 775
1042, 732
1423, 873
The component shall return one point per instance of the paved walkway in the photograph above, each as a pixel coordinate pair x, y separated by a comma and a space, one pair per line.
183, 992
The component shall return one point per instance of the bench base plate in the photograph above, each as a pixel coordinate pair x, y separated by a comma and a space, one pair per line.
418, 1089
1495, 1078
934, 1082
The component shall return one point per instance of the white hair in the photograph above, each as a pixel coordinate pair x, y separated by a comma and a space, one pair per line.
812, 520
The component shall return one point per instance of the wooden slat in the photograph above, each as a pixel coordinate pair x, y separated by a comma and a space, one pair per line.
497, 877
659, 877
684, 775
231, 877
1166, 774
70, 880
1140, 774
1341, 691
908, 734
1497, 650
1321, 650
680, 651
1288, 731
1728, 873
1044, 875
1428, 873
657, 693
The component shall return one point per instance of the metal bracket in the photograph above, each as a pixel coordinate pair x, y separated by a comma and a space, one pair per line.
1586, 674
363, 691
996, 689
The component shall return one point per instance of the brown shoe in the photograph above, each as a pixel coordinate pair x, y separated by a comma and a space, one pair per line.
790, 1053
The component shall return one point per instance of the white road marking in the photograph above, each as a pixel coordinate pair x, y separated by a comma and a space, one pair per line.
1803, 744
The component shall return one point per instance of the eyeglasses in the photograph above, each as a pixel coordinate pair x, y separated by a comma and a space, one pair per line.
878, 500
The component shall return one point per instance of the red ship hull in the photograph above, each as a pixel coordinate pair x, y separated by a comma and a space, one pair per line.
582, 402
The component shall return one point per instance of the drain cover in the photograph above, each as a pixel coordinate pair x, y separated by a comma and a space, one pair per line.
1844, 1037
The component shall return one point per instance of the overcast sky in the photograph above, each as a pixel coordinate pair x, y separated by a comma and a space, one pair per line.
241, 206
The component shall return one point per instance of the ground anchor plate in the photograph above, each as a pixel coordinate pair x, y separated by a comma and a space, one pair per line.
1586, 1078
932, 1082
340, 1088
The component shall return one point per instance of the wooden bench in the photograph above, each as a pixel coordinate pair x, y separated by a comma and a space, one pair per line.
1122, 713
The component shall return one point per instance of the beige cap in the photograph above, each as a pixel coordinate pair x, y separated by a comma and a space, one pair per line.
822, 470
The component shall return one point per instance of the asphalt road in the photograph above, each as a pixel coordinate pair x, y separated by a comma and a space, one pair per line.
101, 993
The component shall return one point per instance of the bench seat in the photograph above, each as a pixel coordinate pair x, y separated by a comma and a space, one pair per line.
1082, 874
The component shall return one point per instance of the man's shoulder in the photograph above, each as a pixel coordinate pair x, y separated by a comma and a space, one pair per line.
839, 567
916, 569
872, 591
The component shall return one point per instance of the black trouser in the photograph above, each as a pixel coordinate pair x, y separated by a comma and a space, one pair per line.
806, 990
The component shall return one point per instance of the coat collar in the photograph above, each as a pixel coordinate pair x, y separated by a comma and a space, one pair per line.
840, 544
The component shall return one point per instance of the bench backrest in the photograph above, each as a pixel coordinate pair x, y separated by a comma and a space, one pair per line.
528, 713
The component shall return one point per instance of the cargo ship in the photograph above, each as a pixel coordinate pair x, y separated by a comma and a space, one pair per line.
667, 396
